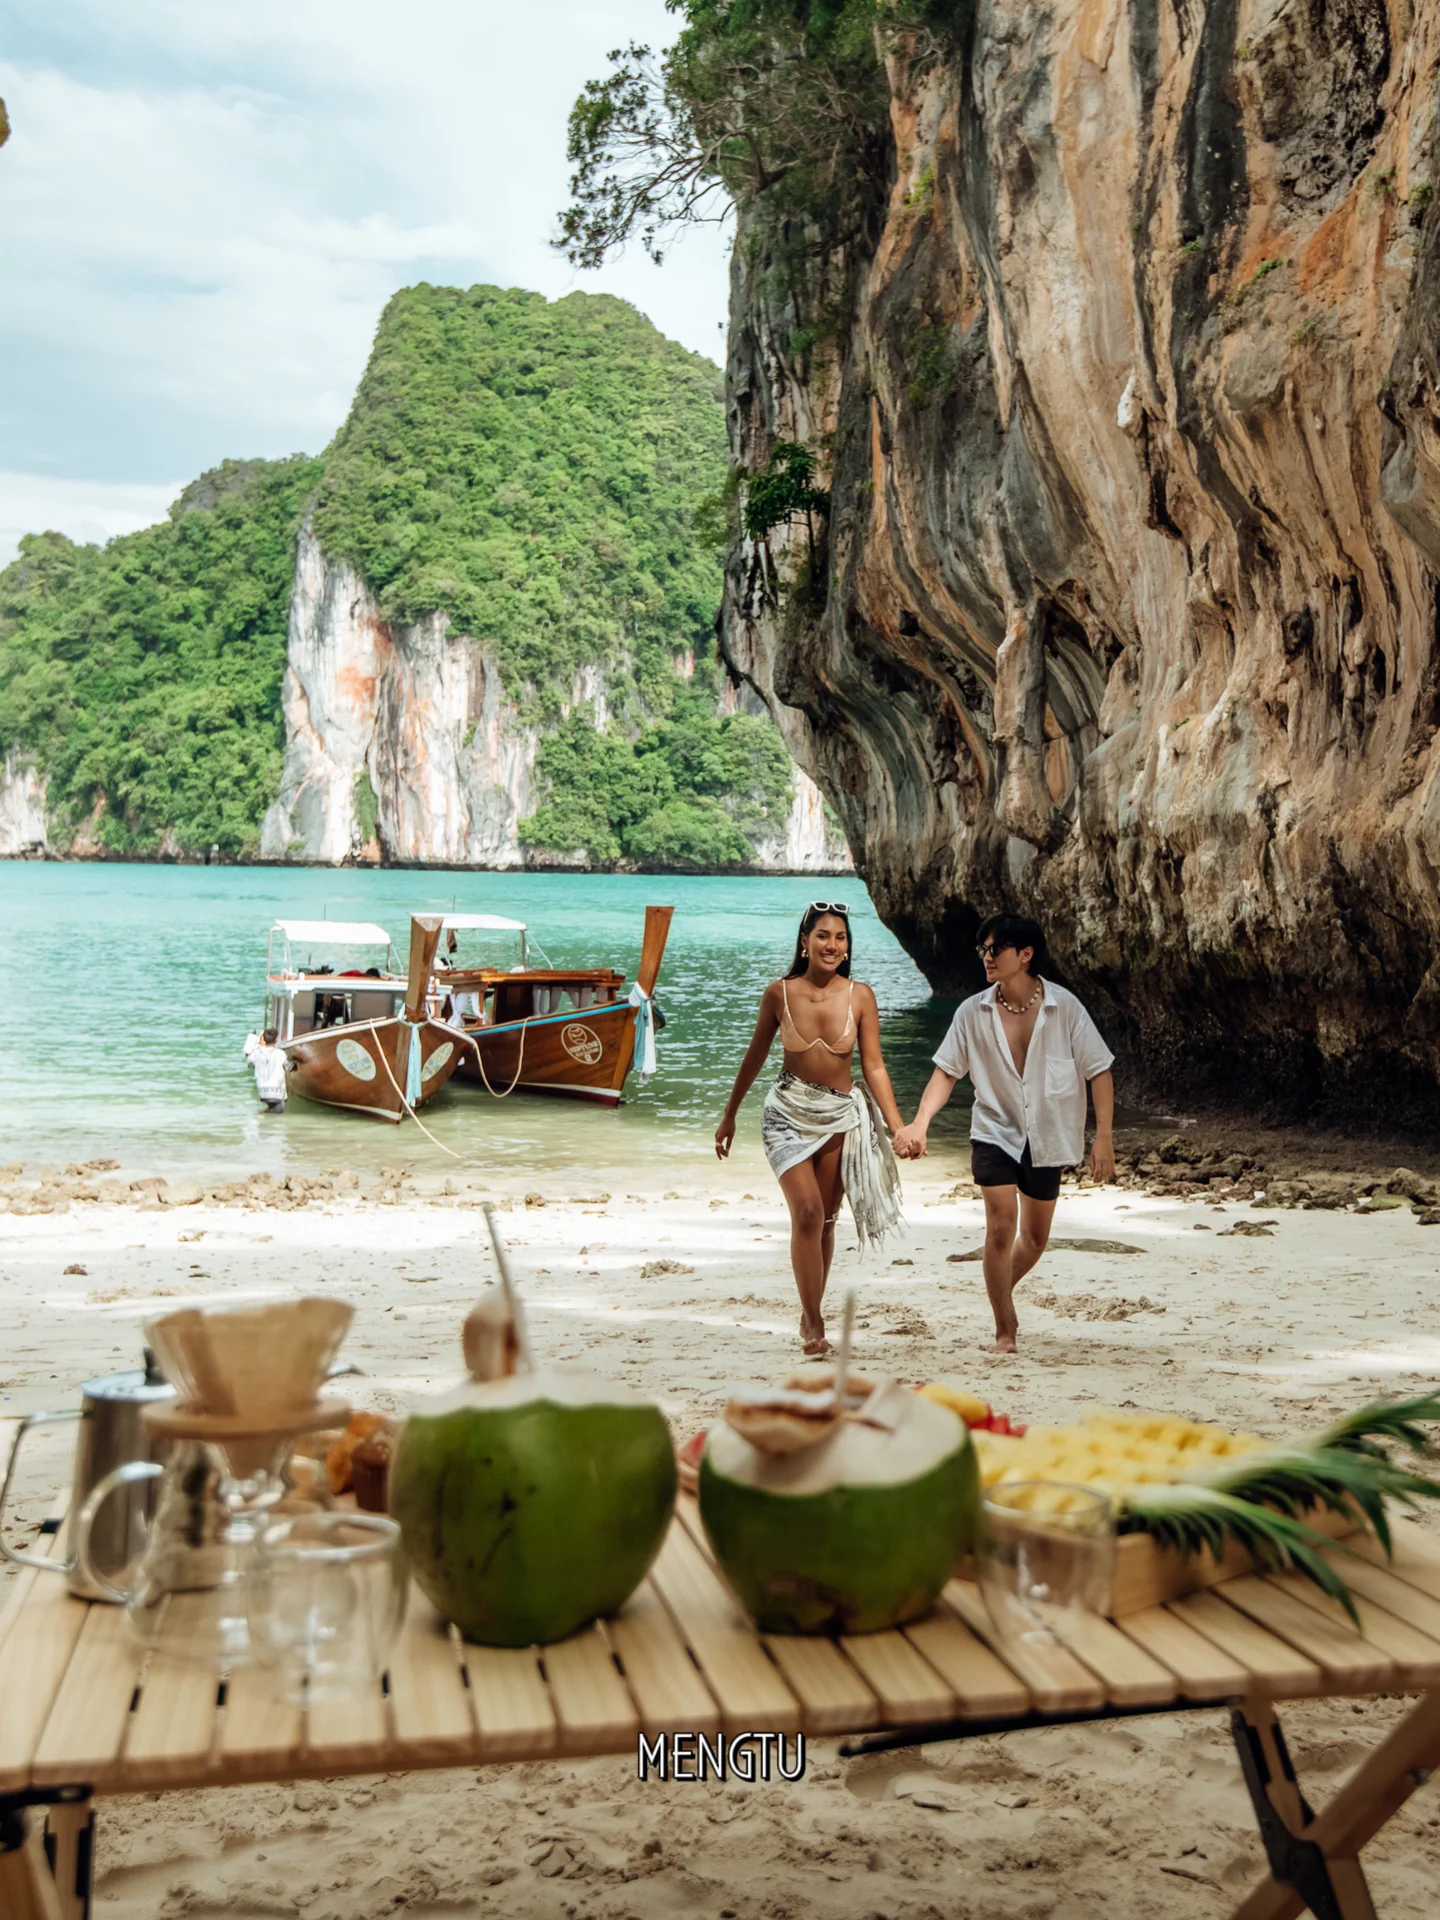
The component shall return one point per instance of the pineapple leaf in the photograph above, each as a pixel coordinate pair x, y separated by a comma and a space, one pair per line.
1191, 1516
1396, 1421
1354, 1481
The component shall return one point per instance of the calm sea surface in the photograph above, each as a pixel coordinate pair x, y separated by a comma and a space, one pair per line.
129, 991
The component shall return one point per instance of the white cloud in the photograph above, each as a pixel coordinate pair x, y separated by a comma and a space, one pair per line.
85, 510
206, 207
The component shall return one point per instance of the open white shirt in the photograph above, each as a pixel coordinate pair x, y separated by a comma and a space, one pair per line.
1047, 1106
269, 1065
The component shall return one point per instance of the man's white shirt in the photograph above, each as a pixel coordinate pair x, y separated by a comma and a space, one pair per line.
1047, 1106
269, 1065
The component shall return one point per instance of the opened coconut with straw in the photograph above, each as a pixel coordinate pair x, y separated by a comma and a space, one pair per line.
837, 1504
532, 1499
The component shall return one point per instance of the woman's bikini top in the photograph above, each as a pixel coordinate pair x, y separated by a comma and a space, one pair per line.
790, 1033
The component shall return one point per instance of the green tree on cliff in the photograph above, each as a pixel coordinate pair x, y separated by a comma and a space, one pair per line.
532, 470
756, 101
145, 676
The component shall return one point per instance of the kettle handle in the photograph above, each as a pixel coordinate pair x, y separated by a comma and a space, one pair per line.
125, 1476
40, 1561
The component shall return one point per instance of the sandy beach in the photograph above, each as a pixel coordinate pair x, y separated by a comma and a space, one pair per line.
1270, 1317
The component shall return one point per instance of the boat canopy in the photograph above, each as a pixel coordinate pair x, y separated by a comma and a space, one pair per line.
481, 923
339, 933
292, 986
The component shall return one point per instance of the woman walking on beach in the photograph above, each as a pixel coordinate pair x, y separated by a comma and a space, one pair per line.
820, 1130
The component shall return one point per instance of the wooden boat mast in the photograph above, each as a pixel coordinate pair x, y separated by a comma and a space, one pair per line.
657, 932
425, 930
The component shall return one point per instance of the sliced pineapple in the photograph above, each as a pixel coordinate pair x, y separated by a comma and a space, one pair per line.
948, 1393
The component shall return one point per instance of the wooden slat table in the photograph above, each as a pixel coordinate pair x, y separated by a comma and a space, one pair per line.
82, 1714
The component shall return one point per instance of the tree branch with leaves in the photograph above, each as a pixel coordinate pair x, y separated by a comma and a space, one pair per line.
755, 100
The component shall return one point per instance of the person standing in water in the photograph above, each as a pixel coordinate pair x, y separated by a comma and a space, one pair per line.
820, 1131
1030, 1049
271, 1063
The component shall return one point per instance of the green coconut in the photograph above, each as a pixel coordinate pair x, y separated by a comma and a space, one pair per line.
854, 1533
533, 1502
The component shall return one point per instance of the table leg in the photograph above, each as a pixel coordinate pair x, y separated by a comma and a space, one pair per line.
27, 1887
70, 1846
1314, 1858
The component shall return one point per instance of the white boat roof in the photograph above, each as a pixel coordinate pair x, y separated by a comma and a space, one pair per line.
340, 933
481, 923
294, 984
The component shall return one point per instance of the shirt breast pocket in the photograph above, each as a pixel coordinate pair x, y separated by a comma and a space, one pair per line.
1060, 1076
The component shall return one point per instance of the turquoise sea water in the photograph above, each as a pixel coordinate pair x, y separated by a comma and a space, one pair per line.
129, 991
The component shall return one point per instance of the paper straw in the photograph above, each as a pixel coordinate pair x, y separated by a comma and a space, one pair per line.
511, 1292
842, 1364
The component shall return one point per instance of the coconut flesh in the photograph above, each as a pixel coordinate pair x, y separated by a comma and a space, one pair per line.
853, 1534
531, 1502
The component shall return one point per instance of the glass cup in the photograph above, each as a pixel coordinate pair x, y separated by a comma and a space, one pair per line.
1046, 1558
326, 1595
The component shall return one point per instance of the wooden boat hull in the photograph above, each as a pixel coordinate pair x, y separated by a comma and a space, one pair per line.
585, 1055
364, 1068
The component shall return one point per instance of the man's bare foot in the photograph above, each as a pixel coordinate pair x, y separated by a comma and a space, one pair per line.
1006, 1343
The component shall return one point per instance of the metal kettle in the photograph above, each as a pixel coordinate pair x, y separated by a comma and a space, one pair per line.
113, 1433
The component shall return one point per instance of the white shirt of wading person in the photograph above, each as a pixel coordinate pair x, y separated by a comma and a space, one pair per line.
1047, 1106
269, 1064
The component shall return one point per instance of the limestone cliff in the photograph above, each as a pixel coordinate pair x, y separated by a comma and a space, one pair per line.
1127, 605
402, 745
24, 829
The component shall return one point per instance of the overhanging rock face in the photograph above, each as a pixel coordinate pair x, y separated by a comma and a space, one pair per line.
1127, 607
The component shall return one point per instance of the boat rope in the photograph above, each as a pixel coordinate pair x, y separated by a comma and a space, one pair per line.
480, 1058
410, 1110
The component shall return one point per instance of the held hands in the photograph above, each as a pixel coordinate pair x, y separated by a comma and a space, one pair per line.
725, 1137
910, 1144
1102, 1159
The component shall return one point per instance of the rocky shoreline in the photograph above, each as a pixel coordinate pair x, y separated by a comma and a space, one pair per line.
1272, 1169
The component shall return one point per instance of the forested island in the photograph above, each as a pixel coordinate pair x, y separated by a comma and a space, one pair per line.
546, 482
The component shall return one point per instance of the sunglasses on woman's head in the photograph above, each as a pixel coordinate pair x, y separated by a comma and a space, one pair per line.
827, 906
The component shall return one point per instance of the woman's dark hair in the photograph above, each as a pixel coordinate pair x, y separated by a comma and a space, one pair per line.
808, 921
1015, 930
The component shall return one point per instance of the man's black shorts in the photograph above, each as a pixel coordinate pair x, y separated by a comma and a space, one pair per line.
991, 1166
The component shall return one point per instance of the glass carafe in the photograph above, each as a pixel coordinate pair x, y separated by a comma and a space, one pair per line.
186, 1594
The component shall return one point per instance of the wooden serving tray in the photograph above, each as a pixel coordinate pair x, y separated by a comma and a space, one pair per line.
1148, 1575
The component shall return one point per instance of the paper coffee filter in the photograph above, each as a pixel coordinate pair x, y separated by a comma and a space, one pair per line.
254, 1361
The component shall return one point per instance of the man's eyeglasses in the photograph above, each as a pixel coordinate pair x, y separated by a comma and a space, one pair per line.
989, 950
827, 906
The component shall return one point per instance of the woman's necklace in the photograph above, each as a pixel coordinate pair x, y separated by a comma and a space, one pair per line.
1038, 994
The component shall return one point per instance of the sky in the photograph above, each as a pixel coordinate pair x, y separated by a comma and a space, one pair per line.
205, 204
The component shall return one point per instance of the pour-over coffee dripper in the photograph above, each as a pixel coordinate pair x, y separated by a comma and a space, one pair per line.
248, 1380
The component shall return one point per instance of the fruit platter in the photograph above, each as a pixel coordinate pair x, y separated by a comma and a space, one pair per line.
1195, 1503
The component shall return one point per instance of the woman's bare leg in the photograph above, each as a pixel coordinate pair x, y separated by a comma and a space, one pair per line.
829, 1174
803, 1196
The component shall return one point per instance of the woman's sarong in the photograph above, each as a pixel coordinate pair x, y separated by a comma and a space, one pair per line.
800, 1117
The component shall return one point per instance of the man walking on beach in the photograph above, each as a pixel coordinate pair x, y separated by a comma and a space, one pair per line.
1030, 1049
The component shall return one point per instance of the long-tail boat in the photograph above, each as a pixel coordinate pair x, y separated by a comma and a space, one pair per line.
566, 1030
364, 1038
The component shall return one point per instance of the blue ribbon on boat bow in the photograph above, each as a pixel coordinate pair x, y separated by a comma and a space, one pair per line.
412, 1071
644, 1032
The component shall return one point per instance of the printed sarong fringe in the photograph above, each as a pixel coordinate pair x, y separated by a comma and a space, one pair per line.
800, 1117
